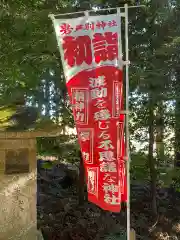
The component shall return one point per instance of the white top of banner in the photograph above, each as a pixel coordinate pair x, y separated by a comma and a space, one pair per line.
87, 26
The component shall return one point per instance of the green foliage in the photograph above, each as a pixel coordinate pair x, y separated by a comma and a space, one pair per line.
28, 53
139, 167
120, 236
65, 147
47, 165
5, 114
168, 178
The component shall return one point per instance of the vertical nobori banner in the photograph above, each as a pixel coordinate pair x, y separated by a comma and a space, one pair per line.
90, 48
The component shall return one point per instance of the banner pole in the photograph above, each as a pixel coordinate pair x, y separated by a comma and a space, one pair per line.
127, 121
94, 10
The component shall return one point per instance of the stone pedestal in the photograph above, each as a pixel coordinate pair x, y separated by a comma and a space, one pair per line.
17, 188
17, 152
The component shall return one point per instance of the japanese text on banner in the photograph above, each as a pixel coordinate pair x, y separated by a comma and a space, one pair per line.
90, 55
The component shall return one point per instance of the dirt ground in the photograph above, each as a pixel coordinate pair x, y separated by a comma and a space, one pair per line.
61, 217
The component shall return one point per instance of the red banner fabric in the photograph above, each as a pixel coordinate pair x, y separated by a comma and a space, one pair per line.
90, 51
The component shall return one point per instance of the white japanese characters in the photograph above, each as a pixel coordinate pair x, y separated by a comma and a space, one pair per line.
86, 156
80, 105
112, 195
97, 82
106, 144
107, 157
109, 178
120, 139
98, 89
108, 167
98, 93
86, 138
101, 115
92, 183
110, 188
113, 200
117, 99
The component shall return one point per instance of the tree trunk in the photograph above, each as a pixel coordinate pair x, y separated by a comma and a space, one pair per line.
161, 163
48, 98
177, 120
152, 161
56, 99
81, 181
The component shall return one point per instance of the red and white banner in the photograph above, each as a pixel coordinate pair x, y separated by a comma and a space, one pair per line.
92, 61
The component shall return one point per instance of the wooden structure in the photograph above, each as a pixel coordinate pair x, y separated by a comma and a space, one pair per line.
18, 150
